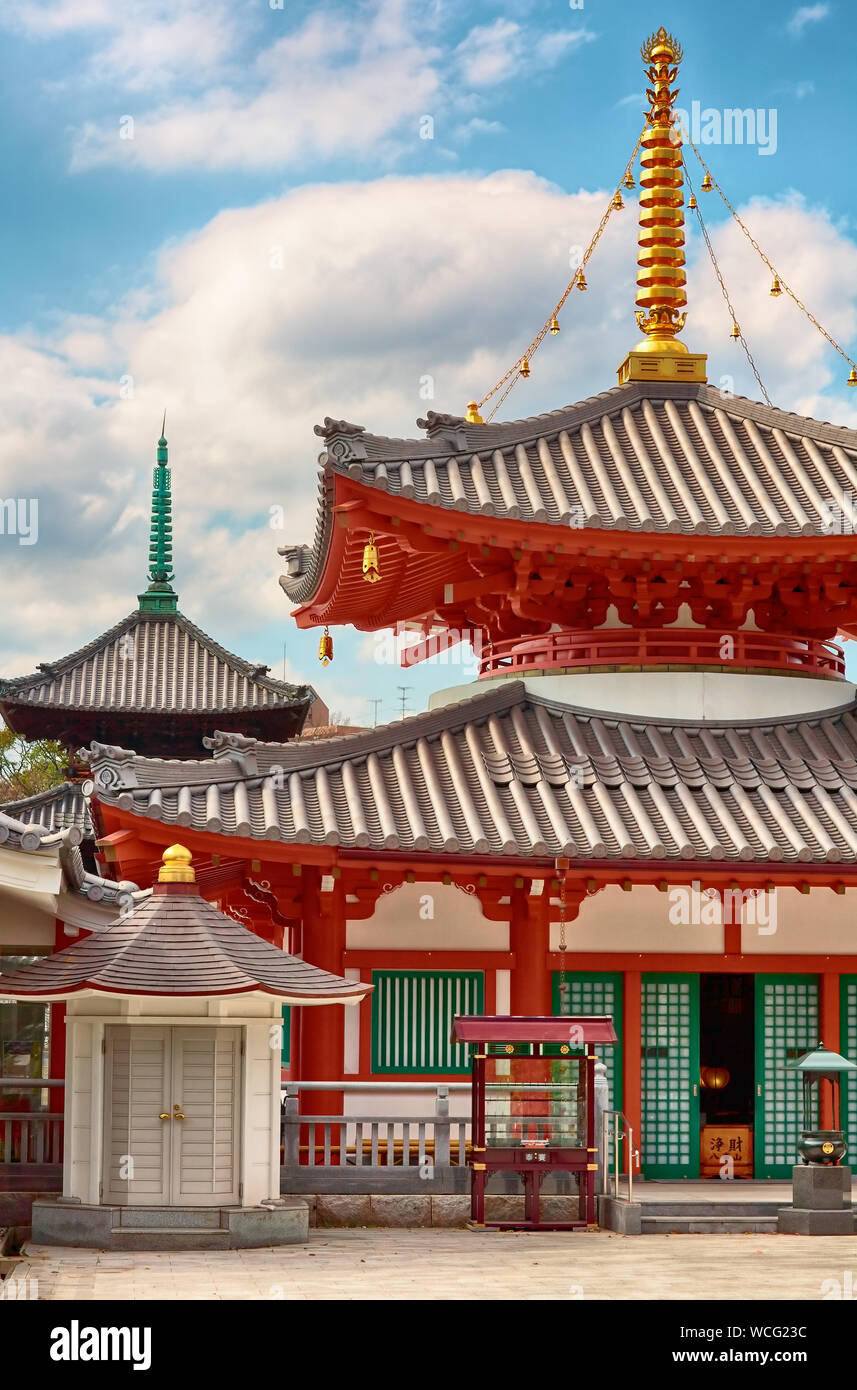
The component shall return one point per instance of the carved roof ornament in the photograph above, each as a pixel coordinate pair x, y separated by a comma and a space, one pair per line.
438, 425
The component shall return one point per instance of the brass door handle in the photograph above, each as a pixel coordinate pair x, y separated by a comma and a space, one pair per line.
178, 1115
164, 1115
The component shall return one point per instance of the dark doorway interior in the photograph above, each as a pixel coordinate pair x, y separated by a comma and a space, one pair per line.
726, 1051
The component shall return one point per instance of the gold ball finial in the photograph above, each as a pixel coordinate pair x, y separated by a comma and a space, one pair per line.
176, 866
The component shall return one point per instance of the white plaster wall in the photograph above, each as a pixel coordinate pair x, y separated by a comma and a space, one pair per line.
260, 1118
817, 923
35, 873
83, 1125
637, 921
676, 694
397, 923
403, 1101
25, 922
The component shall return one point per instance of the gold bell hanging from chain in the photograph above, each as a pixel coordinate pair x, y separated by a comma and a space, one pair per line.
628, 181
692, 202
554, 325
707, 185
325, 648
525, 367
617, 204
371, 568
776, 287
736, 331
473, 417
852, 377
580, 281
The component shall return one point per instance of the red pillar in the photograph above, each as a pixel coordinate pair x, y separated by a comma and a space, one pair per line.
632, 1102
322, 1029
530, 942
828, 1016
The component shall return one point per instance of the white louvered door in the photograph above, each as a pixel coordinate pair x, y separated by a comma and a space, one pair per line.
206, 1076
137, 1071
191, 1077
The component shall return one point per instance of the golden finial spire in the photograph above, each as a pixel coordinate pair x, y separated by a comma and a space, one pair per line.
660, 278
176, 866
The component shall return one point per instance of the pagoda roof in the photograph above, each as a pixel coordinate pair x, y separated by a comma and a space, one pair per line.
32, 838
58, 808
661, 457
510, 773
175, 943
151, 666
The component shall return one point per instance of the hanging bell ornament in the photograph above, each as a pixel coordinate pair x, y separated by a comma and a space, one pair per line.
776, 287
325, 648
852, 377
736, 331
525, 368
628, 181
617, 204
692, 202
554, 325
580, 281
707, 185
371, 568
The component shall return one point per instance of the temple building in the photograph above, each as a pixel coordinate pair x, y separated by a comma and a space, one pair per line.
646, 805
154, 681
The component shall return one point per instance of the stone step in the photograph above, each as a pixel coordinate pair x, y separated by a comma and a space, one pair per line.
702, 1208
690, 1224
173, 1218
170, 1238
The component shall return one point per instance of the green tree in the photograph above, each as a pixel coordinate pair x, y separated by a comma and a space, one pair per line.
28, 768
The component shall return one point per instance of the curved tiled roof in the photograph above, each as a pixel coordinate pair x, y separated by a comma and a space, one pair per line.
510, 773
155, 663
59, 808
29, 837
645, 457
178, 944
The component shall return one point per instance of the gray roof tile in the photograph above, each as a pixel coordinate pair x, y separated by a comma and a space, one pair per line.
507, 772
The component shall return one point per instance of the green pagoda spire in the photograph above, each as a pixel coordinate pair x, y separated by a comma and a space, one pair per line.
160, 597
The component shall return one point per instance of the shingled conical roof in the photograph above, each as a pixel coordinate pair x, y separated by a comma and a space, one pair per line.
175, 943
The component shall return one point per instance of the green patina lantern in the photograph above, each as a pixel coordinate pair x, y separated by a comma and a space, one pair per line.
816, 1067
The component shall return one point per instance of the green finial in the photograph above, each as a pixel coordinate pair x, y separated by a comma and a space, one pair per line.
160, 597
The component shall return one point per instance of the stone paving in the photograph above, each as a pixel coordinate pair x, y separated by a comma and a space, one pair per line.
449, 1264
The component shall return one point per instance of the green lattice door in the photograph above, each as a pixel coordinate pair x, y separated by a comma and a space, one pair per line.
848, 1048
596, 992
786, 1026
670, 1076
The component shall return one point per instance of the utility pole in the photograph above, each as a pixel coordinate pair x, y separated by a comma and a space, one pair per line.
404, 692
376, 703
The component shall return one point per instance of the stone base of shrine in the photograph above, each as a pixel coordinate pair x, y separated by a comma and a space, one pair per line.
285, 1222
409, 1210
822, 1202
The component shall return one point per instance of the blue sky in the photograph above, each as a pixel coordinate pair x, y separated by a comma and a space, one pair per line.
149, 260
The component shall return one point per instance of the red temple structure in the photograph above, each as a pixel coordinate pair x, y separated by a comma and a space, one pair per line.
646, 807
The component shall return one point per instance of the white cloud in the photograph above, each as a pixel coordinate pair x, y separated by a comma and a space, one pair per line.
478, 126
494, 53
805, 15
383, 284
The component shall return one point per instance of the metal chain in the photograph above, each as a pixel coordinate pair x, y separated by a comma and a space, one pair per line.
725, 292
759, 252
510, 378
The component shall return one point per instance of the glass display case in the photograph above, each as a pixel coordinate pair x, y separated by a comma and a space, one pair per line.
534, 1108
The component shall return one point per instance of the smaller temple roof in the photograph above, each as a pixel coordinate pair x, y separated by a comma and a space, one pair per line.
510, 1028
511, 773
31, 838
59, 808
154, 677
175, 943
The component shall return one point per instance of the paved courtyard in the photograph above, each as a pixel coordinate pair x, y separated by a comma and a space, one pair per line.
454, 1264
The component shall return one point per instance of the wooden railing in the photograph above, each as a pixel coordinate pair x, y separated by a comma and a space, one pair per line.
641, 648
30, 1139
329, 1151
